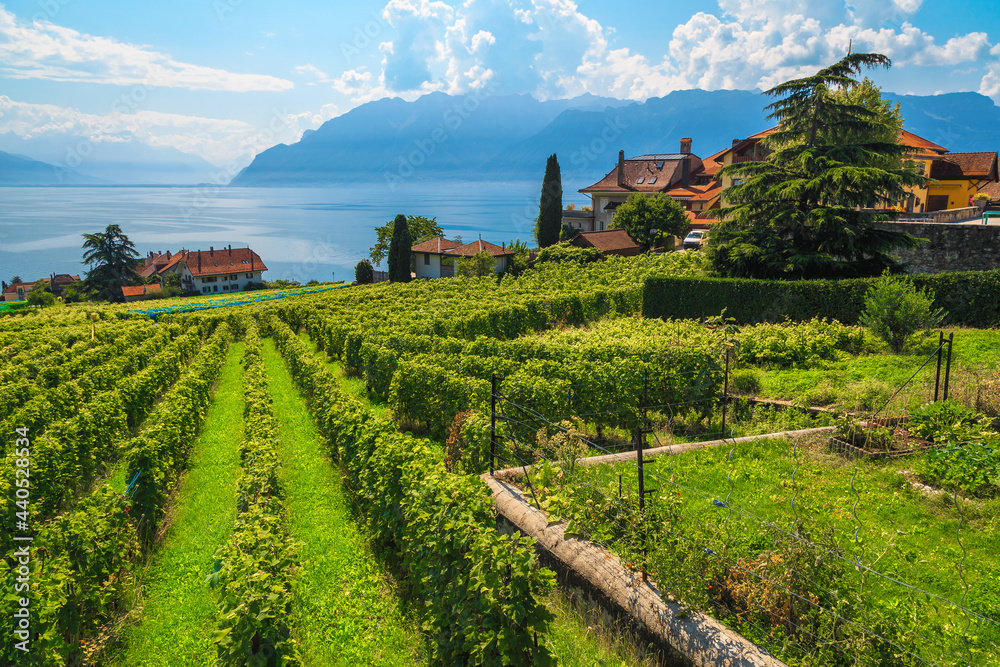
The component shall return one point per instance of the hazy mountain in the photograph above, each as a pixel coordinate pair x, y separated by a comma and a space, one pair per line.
21, 170
128, 162
509, 137
436, 135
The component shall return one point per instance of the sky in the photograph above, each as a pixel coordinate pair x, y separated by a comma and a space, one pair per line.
226, 79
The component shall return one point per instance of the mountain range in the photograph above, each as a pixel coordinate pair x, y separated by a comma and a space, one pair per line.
507, 138
124, 162
476, 137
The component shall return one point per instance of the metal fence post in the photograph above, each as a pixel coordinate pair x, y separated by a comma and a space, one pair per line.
725, 395
947, 368
937, 375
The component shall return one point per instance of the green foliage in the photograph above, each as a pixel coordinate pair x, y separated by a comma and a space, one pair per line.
550, 205
970, 467
480, 591
421, 229
949, 421
801, 213
567, 252
253, 570
650, 219
970, 298
113, 260
896, 311
481, 264
364, 274
41, 296
519, 262
788, 343
399, 251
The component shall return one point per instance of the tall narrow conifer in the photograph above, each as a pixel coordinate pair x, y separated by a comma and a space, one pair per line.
550, 205
399, 251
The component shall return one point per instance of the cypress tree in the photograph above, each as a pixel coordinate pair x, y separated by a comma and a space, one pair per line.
399, 251
550, 205
801, 213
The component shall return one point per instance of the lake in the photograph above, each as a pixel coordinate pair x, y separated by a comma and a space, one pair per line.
301, 233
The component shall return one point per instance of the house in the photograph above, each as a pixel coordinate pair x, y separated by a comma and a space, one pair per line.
436, 258
139, 292
681, 175
56, 282
208, 271
609, 242
959, 176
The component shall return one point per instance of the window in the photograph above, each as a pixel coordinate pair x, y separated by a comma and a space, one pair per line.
215, 289
206, 290
427, 258
639, 180
249, 275
652, 180
737, 181
233, 277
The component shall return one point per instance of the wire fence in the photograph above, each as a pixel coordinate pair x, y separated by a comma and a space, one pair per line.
773, 538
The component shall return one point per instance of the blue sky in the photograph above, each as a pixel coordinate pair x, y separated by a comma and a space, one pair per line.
225, 79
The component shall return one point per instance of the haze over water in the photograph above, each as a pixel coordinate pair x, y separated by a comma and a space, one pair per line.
300, 233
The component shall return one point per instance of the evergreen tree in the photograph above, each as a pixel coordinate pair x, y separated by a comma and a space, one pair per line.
364, 274
550, 205
114, 263
799, 213
421, 229
399, 251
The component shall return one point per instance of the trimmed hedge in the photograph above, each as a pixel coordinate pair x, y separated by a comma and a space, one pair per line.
971, 298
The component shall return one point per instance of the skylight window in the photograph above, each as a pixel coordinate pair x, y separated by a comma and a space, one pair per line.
640, 180
659, 165
652, 180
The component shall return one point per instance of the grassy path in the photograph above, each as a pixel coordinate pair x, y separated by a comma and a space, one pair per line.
346, 611
582, 635
180, 613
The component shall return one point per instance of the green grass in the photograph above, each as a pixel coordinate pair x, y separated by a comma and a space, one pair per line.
862, 381
346, 611
905, 534
179, 612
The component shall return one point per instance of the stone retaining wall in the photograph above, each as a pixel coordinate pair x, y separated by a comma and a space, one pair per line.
951, 247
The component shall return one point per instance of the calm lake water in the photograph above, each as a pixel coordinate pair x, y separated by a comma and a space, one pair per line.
300, 233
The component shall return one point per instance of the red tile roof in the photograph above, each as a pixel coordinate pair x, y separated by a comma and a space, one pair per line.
911, 140
961, 166
646, 170
139, 290
609, 241
470, 249
214, 262
438, 246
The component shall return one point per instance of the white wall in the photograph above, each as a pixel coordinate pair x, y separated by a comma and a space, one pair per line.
431, 270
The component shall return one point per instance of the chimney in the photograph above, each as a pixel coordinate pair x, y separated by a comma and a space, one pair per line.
685, 172
168, 254
211, 251
621, 169
199, 261
686, 145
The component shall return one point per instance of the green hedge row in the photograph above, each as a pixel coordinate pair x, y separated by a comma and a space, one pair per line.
254, 568
480, 591
971, 298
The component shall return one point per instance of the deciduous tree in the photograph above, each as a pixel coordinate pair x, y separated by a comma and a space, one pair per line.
421, 229
649, 219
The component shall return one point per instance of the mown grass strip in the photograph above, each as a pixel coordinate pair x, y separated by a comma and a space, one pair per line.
581, 634
180, 612
345, 609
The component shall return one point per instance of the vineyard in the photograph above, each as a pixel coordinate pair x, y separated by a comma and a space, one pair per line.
299, 480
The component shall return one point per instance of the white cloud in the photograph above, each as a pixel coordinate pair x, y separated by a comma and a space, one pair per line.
314, 72
215, 139
550, 48
43, 50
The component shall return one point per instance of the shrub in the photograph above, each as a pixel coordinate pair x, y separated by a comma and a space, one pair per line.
480, 264
745, 381
896, 311
566, 252
364, 274
971, 467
